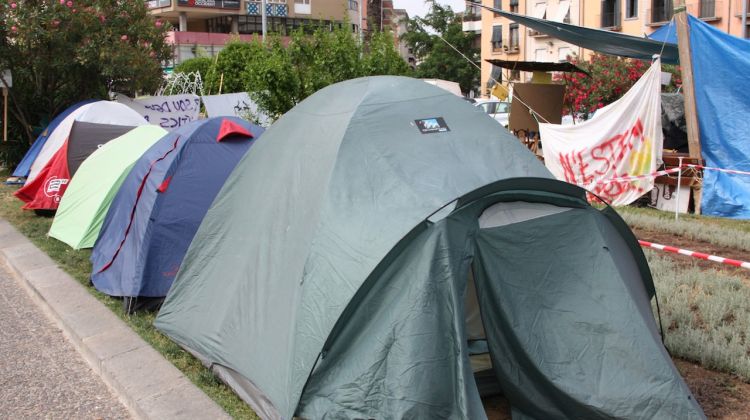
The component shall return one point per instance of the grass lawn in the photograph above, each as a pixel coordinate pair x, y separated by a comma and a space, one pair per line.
705, 311
76, 263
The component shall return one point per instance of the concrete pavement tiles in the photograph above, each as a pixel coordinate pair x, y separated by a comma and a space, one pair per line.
148, 385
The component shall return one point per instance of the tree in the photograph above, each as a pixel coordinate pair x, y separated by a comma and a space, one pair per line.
436, 58
64, 51
608, 78
278, 77
225, 75
201, 65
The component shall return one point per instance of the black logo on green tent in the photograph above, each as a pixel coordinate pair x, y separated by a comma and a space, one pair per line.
432, 125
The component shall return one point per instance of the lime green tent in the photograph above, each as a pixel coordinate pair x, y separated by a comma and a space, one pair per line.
96, 182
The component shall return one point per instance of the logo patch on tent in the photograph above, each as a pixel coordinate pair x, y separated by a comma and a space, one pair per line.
432, 125
53, 185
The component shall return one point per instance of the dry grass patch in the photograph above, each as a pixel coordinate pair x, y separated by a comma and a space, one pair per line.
705, 313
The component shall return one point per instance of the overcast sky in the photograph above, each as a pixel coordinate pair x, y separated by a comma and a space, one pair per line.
420, 8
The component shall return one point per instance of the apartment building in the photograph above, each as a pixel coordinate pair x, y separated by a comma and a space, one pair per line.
500, 39
639, 17
503, 39
208, 25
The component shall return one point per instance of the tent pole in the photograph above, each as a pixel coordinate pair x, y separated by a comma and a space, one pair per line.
688, 89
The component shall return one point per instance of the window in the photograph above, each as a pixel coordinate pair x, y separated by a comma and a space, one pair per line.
497, 4
661, 10
497, 38
514, 6
610, 13
496, 74
540, 55
563, 12
708, 8
563, 53
540, 10
513, 36
631, 9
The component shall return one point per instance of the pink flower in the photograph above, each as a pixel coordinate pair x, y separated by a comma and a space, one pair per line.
152, 54
14, 29
69, 3
124, 38
102, 19
55, 23
158, 23
62, 1
13, 5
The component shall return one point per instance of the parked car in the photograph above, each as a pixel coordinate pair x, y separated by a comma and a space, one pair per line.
498, 110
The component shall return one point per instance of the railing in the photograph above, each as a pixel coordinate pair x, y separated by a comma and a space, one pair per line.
471, 17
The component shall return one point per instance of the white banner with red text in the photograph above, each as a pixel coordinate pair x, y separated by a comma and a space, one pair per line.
622, 140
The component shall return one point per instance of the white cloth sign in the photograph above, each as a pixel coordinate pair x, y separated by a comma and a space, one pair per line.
168, 112
622, 139
235, 104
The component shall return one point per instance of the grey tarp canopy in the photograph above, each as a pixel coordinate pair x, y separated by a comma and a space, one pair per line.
331, 276
606, 42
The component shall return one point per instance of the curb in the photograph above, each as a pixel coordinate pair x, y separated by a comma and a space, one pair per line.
144, 381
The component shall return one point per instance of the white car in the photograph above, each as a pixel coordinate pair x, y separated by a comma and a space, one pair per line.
498, 110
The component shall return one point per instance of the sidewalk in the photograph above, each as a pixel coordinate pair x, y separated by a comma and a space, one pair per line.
147, 384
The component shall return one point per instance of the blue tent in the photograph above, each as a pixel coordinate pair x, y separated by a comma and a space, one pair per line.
667, 33
721, 64
22, 170
161, 203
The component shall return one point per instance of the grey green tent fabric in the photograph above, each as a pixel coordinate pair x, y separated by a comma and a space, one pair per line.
86, 201
330, 278
607, 42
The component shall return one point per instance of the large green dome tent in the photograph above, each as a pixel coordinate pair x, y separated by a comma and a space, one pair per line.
381, 238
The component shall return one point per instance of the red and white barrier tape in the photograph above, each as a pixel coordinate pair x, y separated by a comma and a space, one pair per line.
728, 261
662, 172
729, 171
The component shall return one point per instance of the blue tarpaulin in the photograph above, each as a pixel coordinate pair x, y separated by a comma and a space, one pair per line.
721, 70
667, 33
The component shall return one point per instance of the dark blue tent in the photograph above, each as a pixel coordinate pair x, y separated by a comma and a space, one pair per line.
22, 170
161, 203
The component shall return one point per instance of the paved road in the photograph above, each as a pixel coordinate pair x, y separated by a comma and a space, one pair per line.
41, 373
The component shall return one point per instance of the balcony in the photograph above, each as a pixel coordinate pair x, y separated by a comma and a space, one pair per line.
537, 34
472, 26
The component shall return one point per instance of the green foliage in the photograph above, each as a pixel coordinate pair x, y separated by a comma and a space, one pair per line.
61, 52
201, 65
382, 57
437, 59
278, 77
225, 76
610, 77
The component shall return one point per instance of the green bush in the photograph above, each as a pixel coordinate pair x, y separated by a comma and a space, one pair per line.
201, 65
